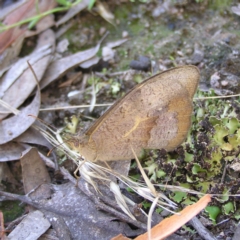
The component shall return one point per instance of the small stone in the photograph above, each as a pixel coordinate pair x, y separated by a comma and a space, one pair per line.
224, 83
102, 30
62, 46
124, 34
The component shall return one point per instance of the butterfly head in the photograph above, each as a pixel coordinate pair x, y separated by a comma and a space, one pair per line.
82, 146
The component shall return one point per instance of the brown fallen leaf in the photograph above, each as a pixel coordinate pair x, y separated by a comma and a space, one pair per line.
171, 224
34, 174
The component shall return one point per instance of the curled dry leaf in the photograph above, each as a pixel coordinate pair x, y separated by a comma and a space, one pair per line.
16, 125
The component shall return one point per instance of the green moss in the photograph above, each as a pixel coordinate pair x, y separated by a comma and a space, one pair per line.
220, 5
11, 210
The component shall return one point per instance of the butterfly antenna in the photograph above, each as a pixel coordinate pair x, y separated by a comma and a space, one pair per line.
58, 145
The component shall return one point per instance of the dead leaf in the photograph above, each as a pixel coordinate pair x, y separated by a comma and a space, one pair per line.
16, 125
9, 9
32, 136
25, 83
59, 67
108, 52
236, 9
11, 151
104, 12
116, 43
31, 227
43, 24
82, 212
48, 161
72, 12
9, 36
20, 66
34, 174
171, 224
11, 53
11, 40
89, 63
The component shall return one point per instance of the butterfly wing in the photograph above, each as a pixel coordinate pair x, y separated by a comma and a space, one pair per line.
155, 114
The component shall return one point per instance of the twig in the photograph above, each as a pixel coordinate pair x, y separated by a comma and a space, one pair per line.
74, 107
202, 231
28, 200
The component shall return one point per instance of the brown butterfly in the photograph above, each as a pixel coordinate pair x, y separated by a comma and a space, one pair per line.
154, 114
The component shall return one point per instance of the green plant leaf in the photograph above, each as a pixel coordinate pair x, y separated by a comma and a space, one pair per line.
233, 124
90, 4
160, 173
213, 212
179, 196
65, 3
228, 207
220, 133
